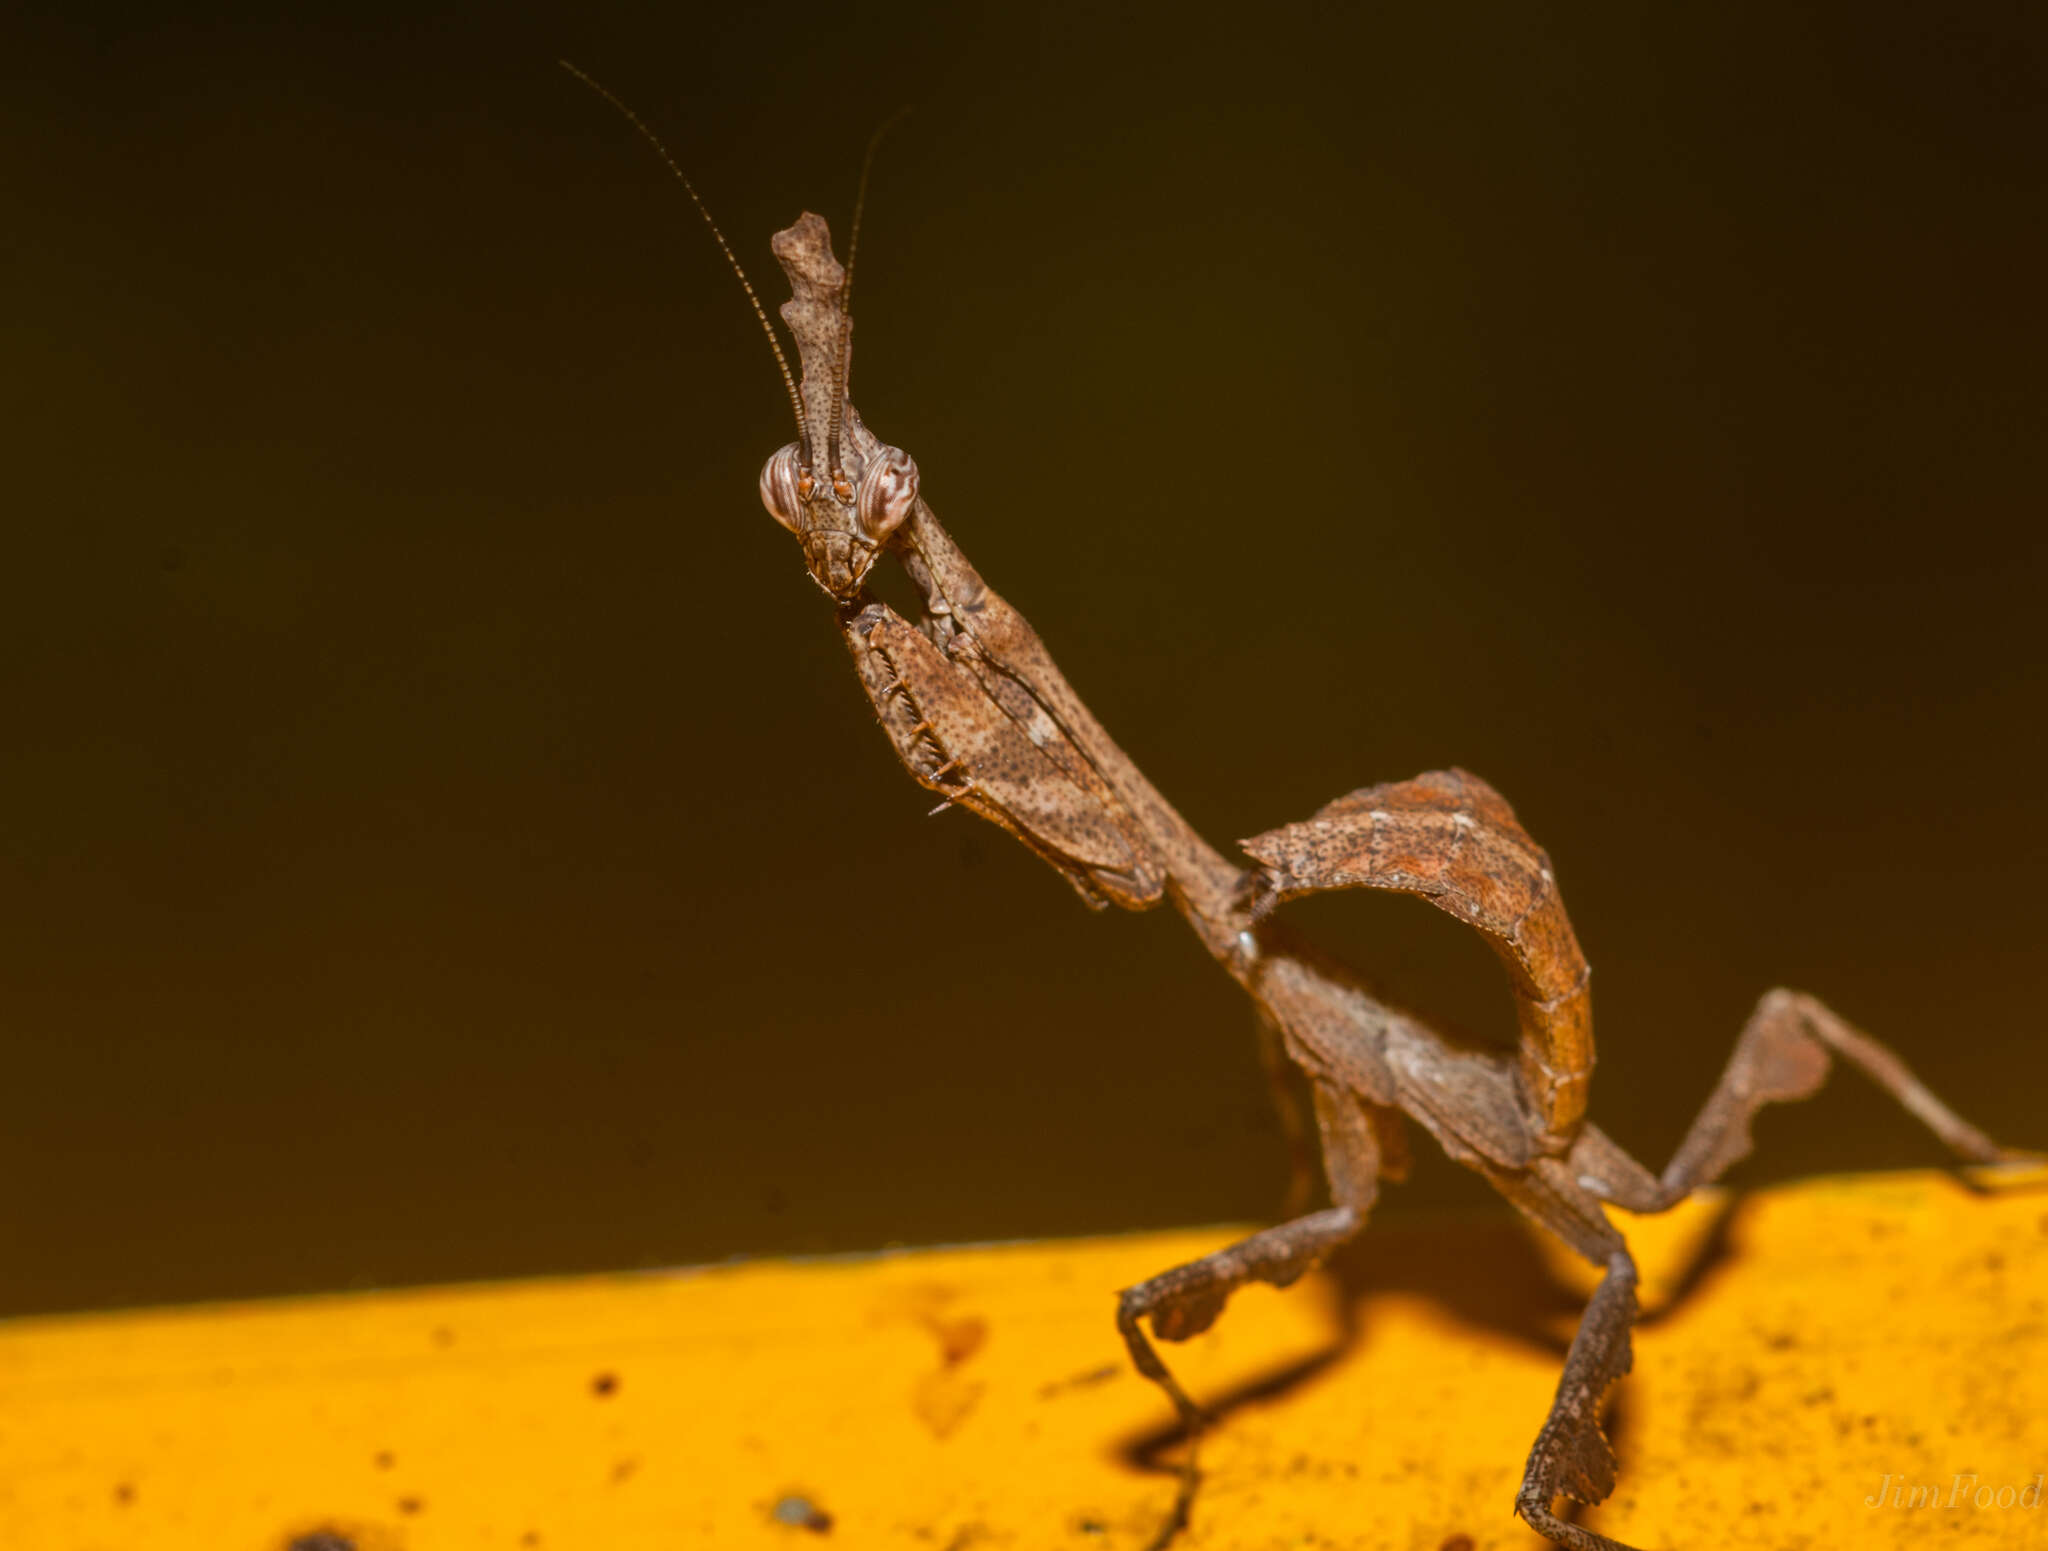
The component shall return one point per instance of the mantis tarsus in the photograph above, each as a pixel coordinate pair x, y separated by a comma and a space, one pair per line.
979, 714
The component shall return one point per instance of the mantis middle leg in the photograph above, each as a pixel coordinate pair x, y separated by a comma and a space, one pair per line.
1185, 1301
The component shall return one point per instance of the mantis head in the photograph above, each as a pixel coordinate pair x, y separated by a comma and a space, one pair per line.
845, 507
844, 518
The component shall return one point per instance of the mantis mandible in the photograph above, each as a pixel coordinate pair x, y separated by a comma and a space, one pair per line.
979, 714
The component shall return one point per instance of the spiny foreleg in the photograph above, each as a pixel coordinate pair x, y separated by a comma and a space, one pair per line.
956, 739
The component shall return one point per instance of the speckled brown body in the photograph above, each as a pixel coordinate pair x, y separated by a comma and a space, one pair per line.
1453, 840
978, 712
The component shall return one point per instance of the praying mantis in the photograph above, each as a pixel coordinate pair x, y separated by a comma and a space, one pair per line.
979, 714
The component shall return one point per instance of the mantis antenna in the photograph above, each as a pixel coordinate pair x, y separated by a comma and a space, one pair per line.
796, 401
839, 384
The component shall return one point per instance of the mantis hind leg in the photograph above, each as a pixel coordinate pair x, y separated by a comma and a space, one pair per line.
1572, 1457
1783, 1054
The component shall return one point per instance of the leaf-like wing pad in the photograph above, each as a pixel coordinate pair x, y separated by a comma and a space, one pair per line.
1451, 839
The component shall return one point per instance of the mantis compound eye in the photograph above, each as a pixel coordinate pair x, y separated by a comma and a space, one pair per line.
781, 486
888, 489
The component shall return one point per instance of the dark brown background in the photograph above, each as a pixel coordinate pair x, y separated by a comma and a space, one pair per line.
442, 838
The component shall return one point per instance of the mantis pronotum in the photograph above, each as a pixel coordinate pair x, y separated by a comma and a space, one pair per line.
979, 714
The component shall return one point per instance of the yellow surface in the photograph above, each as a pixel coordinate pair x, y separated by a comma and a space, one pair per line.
1822, 1337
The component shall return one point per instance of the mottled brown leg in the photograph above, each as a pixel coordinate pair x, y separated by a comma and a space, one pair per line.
1572, 1457
1185, 1301
1280, 1083
1782, 1055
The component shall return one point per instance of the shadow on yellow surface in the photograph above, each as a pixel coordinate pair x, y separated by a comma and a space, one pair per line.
1848, 1361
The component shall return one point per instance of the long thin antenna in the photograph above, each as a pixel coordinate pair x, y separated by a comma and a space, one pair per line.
796, 399
839, 385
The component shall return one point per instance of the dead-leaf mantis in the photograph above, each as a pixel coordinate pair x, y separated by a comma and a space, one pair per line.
979, 714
